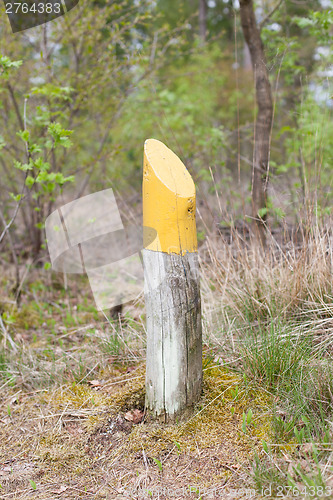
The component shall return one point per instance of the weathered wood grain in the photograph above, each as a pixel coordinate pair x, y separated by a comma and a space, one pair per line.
172, 286
174, 342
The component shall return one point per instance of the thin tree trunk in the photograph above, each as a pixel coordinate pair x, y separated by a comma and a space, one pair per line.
264, 117
202, 19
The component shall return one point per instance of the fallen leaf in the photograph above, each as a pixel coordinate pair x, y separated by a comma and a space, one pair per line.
134, 416
60, 490
129, 416
95, 383
74, 429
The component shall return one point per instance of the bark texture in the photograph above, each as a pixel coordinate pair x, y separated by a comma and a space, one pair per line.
202, 19
264, 117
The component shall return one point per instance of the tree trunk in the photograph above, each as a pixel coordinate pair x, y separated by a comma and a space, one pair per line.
202, 19
264, 117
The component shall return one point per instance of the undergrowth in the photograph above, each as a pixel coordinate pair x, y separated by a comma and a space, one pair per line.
267, 393
273, 313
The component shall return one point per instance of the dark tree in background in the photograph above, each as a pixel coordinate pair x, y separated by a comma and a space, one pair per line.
202, 19
264, 117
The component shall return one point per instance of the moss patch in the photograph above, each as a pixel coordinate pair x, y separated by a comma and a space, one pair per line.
77, 437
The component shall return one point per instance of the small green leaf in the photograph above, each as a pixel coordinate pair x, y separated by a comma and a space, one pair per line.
34, 148
15, 197
303, 22
159, 464
69, 178
279, 212
24, 134
2, 142
30, 181
41, 165
284, 129
23, 166
265, 446
60, 136
262, 211
8, 318
282, 169
178, 448
53, 91
6, 64
249, 417
244, 423
33, 484
305, 420
47, 266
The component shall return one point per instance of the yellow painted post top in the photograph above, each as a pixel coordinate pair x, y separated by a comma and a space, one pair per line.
168, 201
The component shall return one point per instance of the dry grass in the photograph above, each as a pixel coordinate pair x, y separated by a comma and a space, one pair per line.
267, 320
74, 442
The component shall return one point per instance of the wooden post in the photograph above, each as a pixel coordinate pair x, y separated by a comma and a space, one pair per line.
172, 291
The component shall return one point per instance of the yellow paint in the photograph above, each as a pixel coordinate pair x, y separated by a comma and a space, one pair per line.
168, 201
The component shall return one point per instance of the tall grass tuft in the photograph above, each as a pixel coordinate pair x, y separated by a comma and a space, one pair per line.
272, 315
273, 355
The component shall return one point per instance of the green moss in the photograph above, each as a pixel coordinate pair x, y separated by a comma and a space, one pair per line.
212, 425
60, 452
76, 434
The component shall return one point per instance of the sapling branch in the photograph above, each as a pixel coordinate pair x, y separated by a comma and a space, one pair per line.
12, 249
270, 14
16, 107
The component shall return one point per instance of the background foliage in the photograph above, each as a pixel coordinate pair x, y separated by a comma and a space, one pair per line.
84, 92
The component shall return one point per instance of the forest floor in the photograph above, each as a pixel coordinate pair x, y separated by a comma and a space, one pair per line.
72, 421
